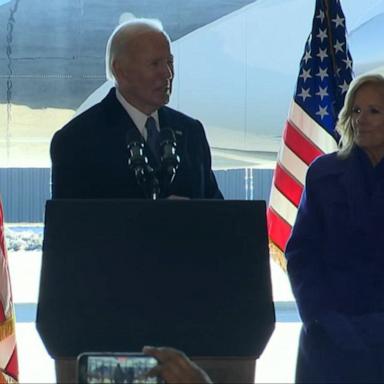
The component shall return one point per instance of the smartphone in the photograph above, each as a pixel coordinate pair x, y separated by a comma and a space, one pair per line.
107, 367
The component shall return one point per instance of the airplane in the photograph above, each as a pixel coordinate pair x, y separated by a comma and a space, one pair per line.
236, 67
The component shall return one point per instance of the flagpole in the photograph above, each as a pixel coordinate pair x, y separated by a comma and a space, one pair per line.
327, 7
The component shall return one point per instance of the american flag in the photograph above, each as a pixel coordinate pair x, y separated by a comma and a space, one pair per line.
324, 77
8, 353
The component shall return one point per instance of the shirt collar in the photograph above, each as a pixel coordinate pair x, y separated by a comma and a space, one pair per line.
138, 117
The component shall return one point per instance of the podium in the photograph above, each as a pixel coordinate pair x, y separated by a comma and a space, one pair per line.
120, 274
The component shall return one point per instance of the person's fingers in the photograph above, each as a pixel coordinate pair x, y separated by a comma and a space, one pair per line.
153, 351
164, 354
155, 371
174, 366
168, 373
148, 350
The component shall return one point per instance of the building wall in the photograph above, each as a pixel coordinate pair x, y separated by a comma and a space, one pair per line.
25, 190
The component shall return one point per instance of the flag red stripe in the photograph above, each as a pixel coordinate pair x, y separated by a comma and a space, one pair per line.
2, 240
12, 368
279, 230
2, 313
300, 145
288, 185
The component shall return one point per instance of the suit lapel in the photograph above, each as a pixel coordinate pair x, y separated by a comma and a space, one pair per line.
352, 181
166, 120
118, 116
351, 177
122, 121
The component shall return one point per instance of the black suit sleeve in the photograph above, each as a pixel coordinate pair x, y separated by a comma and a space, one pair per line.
72, 174
63, 174
210, 189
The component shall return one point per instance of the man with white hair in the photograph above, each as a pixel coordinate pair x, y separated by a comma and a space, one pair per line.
90, 155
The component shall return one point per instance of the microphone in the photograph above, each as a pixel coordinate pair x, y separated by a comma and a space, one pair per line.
169, 159
139, 165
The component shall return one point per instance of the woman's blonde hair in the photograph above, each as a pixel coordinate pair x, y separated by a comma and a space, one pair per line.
344, 124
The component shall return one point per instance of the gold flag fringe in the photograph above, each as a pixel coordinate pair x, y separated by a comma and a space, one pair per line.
7, 328
277, 255
6, 379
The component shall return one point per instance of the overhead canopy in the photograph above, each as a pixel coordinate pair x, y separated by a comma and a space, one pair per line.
236, 66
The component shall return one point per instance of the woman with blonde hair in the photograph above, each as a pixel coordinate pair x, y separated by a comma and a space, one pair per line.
335, 255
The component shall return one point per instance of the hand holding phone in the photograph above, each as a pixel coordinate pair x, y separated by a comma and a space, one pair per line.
175, 367
107, 367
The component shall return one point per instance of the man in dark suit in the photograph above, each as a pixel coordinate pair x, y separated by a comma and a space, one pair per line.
89, 154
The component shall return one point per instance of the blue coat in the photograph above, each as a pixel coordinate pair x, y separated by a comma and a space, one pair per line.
335, 261
90, 157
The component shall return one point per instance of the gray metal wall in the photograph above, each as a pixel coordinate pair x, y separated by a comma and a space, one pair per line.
25, 190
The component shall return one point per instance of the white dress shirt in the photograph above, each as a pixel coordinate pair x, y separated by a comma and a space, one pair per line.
138, 117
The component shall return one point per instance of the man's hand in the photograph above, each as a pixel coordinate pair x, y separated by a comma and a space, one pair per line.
175, 367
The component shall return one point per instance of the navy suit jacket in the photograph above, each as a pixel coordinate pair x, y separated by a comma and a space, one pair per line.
90, 157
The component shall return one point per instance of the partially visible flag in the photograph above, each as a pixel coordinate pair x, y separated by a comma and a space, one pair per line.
9, 370
325, 74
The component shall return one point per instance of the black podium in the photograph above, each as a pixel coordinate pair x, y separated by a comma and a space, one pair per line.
120, 274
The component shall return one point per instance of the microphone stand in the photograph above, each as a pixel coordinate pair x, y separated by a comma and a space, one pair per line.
147, 178
169, 159
144, 173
